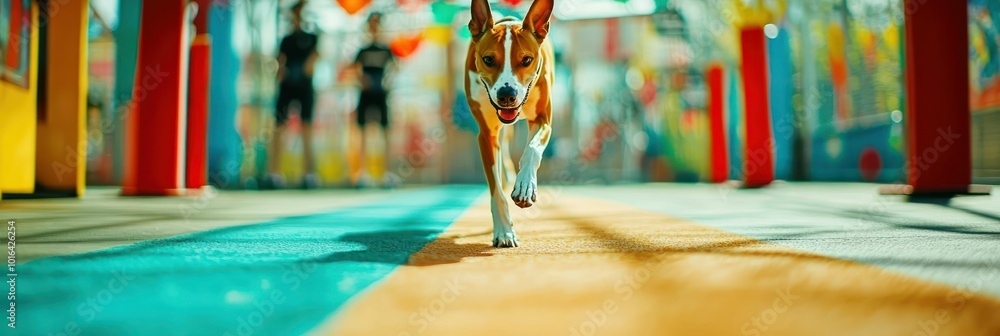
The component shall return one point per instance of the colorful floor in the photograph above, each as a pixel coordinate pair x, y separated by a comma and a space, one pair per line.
660, 259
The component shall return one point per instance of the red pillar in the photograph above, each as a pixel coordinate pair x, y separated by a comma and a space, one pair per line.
197, 121
717, 124
937, 100
758, 167
156, 157
197, 104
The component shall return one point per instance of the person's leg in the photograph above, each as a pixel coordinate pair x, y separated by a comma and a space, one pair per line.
307, 147
274, 179
309, 178
306, 99
274, 164
386, 136
362, 119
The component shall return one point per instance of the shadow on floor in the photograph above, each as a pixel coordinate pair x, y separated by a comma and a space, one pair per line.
897, 220
976, 212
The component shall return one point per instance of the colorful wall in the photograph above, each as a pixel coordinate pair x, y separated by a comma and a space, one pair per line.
42, 137
17, 119
631, 99
984, 70
633, 106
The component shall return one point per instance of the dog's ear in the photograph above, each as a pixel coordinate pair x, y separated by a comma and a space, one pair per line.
482, 18
537, 19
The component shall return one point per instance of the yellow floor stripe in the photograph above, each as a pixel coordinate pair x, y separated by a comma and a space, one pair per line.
594, 267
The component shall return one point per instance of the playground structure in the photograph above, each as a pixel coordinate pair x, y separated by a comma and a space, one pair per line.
173, 96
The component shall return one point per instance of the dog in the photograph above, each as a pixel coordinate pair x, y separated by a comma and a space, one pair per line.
509, 77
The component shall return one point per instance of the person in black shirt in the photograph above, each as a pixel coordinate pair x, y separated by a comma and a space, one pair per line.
296, 60
374, 61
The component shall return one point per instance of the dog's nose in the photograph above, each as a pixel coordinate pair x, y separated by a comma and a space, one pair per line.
507, 96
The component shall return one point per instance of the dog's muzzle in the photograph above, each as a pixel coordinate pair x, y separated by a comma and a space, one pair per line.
507, 110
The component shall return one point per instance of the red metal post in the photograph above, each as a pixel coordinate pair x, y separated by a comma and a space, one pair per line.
937, 96
198, 95
156, 157
759, 157
717, 124
197, 120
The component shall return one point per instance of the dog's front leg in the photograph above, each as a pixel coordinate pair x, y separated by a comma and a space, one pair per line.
503, 227
526, 187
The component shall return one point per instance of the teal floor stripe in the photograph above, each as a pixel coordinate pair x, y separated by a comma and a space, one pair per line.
281, 277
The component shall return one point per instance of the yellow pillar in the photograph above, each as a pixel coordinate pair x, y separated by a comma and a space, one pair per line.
17, 125
61, 164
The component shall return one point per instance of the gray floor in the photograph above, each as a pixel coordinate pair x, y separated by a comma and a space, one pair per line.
957, 243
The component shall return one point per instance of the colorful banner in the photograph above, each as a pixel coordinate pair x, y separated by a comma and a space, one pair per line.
15, 41
353, 6
984, 56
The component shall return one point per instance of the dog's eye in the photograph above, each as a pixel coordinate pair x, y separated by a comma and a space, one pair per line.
526, 61
489, 60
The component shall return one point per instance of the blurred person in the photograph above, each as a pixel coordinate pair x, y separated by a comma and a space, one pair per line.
296, 61
373, 63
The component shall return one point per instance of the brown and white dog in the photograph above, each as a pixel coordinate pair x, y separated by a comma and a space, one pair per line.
509, 77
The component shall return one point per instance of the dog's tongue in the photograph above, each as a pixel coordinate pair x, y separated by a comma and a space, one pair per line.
508, 114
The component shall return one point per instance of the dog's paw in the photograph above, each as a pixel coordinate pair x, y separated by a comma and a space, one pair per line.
525, 191
505, 238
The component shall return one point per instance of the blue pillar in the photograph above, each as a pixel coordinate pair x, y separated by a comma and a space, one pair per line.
782, 115
225, 150
126, 54
734, 124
